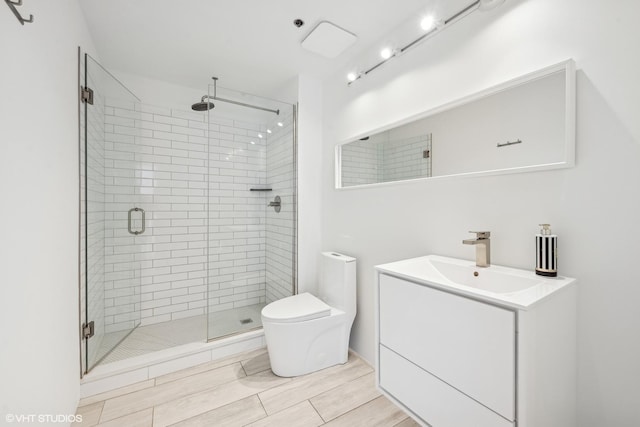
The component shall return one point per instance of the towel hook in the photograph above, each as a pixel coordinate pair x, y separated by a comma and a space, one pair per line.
12, 5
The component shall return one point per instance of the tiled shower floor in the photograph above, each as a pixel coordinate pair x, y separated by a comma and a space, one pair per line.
161, 336
239, 319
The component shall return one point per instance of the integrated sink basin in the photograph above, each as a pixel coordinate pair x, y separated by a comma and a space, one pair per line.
496, 279
508, 286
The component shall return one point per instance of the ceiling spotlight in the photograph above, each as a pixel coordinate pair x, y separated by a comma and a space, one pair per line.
253, 143
489, 4
259, 135
268, 130
280, 124
430, 25
386, 53
428, 22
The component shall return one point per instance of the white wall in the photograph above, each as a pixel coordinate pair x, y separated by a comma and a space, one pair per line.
39, 361
593, 207
309, 181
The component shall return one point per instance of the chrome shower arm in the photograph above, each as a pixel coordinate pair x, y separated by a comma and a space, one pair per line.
242, 104
239, 103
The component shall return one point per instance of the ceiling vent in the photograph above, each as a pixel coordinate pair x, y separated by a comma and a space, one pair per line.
328, 40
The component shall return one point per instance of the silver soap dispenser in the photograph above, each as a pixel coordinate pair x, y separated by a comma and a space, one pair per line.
546, 252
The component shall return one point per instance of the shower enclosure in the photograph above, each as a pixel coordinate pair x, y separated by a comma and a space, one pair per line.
181, 238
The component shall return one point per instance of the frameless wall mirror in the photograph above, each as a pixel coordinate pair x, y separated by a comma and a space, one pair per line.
522, 125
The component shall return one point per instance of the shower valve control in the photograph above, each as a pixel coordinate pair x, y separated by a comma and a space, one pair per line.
275, 204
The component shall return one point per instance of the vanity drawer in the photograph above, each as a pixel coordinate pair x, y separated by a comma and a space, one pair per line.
436, 402
465, 343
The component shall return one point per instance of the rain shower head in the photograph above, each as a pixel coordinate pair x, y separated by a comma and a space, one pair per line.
202, 105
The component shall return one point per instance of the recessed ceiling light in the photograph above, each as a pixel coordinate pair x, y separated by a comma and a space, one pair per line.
280, 124
253, 142
427, 23
268, 130
259, 135
386, 53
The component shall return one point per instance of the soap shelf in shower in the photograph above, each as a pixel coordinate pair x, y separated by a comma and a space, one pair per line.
261, 189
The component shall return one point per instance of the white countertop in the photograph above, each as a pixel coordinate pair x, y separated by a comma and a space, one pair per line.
422, 270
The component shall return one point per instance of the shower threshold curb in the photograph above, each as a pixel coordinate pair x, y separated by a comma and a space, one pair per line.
148, 366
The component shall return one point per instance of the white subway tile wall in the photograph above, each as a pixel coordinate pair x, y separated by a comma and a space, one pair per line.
280, 226
92, 256
157, 162
237, 156
166, 171
83, 210
94, 215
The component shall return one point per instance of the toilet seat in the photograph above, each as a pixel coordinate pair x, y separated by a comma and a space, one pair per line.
296, 308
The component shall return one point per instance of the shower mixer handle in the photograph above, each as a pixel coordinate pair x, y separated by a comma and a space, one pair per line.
275, 204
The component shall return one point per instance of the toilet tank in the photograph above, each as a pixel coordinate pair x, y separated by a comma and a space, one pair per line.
338, 281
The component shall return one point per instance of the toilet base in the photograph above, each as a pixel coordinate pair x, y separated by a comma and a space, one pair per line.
301, 348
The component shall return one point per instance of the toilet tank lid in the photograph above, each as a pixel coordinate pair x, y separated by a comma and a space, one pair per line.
296, 308
336, 255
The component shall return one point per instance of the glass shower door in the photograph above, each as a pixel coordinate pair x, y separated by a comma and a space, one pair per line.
251, 209
113, 216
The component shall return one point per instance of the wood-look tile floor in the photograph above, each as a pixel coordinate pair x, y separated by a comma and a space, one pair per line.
242, 391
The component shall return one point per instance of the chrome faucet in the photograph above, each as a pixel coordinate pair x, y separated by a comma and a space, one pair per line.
483, 247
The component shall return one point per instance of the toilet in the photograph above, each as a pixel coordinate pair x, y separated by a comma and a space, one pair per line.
306, 333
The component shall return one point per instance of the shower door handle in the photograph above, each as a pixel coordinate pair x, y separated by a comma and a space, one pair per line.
136, 232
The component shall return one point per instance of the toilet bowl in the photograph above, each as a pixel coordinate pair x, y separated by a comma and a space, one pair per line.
306, 333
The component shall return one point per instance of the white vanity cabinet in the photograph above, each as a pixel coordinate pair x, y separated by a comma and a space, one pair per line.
465, 345
453, 360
